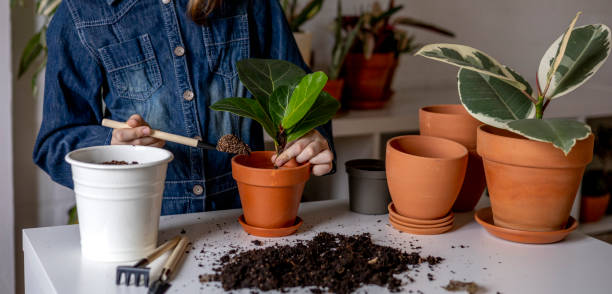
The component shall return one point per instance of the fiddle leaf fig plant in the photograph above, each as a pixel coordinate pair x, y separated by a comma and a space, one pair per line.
498, 96
288, 102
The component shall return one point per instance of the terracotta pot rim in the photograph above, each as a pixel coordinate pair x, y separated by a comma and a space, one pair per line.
463, 154
258, 169
430, 109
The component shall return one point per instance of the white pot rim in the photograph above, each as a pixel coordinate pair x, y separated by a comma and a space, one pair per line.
167, 157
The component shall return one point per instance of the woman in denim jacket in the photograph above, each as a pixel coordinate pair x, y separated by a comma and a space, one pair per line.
163, 63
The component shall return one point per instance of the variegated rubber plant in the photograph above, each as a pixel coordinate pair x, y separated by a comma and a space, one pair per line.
288, 102
498, 96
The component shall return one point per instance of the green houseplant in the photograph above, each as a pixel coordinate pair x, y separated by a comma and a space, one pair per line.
297, 17
288, 103
371, 64
533, 165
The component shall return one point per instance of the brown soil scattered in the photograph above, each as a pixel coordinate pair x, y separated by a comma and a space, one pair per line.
328, 262
232, 144
256, 243
117, 162
456, 286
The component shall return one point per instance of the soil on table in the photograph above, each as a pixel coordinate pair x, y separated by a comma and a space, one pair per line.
329, 262
456, 286
232, 144
119, 162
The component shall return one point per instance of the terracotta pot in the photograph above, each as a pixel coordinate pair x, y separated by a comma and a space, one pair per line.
532, 184
334, 88
452, 121
593, 208
270, 197
368, 80
424, 175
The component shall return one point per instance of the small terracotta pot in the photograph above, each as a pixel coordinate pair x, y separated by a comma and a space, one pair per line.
593, 208
334, 88
452, 121
270, 197
368, 80
424, 175
532, 184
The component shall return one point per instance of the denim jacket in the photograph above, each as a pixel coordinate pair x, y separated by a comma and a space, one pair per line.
115, 58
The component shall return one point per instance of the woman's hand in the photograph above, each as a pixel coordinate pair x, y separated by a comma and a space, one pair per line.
311, 147
137, 135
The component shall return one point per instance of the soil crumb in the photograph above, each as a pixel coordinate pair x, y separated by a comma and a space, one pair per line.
256, 242
456, 286
119, 162
329, 262
232, 144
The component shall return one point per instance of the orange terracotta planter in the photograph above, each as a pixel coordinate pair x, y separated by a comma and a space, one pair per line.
270, 197
368, 81
593, 208
424, 175
532, 184
334, 88
452, 121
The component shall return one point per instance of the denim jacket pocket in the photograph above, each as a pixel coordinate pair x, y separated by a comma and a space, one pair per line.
227, 41
132, 68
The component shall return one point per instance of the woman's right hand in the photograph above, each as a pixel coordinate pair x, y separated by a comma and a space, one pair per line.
137, 135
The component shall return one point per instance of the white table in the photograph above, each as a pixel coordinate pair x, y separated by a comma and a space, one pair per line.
579, 264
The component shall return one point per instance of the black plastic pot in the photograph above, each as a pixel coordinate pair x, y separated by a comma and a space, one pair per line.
368, 191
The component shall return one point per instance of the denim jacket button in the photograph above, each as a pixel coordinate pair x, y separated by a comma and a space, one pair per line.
165, 1
179, 51
188, 95
198, 190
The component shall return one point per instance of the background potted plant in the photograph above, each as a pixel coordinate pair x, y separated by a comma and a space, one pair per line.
342, 45
533, 165
595, 196
288, 104
373, 58
296, 18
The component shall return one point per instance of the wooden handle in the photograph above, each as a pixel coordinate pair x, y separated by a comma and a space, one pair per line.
154, 133
174, 258
163, 248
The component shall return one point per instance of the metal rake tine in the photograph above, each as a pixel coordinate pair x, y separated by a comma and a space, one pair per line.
146, 280
137, 279
128, 277
118, 278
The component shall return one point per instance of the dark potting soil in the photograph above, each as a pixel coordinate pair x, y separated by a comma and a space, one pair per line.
456, 286
119, 162
232, 144
329, 262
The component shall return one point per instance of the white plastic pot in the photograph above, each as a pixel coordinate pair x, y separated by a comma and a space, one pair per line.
118, 205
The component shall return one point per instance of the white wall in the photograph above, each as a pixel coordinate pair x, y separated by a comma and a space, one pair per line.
7, 236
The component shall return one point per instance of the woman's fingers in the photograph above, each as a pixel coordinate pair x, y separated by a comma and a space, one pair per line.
125, 136
137, 134
135, 121
313, 149
292, 151
321, 169
324, 157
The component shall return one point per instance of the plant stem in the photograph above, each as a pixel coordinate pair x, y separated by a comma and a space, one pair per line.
539, 107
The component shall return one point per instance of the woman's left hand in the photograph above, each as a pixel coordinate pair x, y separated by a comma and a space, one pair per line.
311, 147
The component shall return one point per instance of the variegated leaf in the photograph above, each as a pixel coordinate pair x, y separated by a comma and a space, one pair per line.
587, 49
562, 133
492, 101
472, 59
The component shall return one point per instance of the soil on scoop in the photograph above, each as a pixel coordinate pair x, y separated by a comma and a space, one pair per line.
232, 144
456, 286
119, 162
328, 262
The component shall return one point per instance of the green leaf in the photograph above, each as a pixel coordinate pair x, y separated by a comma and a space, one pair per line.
470, 58
277, 106
263, 76
248, 108
30, 53
309, 11
562, 133
303, 97
491, 100
587, 49
321, 112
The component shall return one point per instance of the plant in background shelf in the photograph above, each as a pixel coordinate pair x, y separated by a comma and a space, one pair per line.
288, 103
296, 18
374, 56
528, 158
595, 196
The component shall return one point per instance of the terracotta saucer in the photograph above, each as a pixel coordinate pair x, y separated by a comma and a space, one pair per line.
420, 231
416, 221
484, 217
263, 232
418, 226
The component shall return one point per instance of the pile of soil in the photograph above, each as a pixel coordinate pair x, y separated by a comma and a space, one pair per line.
458, 286
232, 144
117, 162
329, 262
